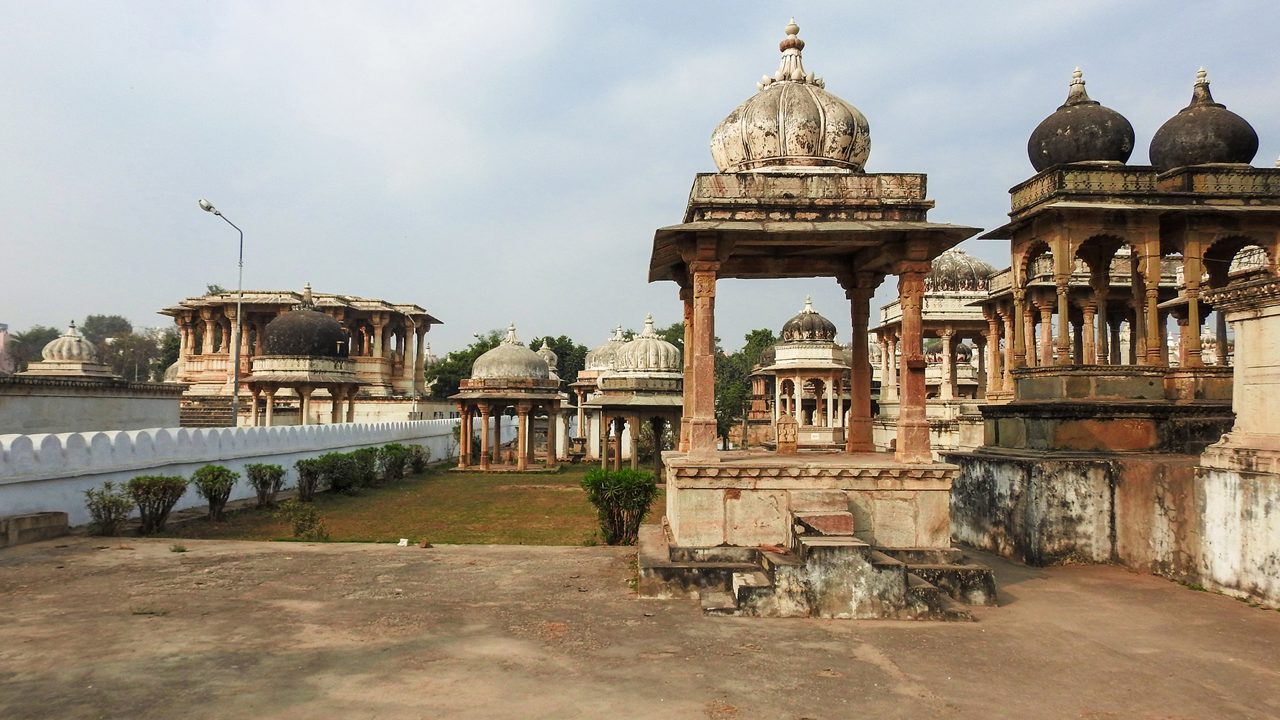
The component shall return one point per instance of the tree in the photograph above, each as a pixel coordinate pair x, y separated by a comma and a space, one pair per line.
27, 345
97, 328
214, 289
170, 348
674, 334
131, 356
444, 376
733, 383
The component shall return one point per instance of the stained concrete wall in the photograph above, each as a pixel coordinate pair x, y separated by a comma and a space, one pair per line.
35, 409
1152, 513
45, 472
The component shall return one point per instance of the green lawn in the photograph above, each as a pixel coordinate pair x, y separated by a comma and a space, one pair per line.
441, 507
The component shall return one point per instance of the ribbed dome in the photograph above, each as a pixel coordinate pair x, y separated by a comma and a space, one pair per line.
808, 326
171, 372
70, 347
1203, 132
792, 123
956, 270
768, 356
429, 358
548, 355
649, 353
510, 359
603, 356
1081, 130
305, 333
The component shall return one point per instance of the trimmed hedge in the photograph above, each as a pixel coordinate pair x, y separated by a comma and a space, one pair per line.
266, 481
109, 509
622, 499
155, 496
214, 483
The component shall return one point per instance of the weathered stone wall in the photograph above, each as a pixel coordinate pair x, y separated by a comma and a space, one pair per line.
45, 472
58, 405
1153, 513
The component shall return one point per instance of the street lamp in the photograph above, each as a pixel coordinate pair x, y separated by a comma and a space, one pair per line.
207, 206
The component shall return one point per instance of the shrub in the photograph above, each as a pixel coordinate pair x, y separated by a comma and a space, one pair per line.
304, 520
214, 484
419, 456
363, 464
156, 495
338, 471
393, 460
109, 509
309, 474
266, 480
621, 499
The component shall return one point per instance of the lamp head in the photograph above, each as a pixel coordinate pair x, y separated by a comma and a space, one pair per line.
207, 206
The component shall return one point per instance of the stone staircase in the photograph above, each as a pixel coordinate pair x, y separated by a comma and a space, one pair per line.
826, 572
207, 411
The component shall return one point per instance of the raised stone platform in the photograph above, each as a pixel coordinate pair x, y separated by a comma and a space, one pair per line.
747, 498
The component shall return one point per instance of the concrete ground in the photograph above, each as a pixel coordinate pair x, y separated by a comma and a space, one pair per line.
125, 628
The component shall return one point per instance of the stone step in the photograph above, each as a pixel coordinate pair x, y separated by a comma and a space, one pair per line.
972, 584
927, 602
755, 579
818, 543
825, 523
926, 556
662, 577
771, 560
718, 602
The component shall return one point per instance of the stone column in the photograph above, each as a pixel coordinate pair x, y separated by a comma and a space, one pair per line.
254, 392
1156, 350
1018, 338
464, 435
420, 362
1029, 332
1089, 333
351, 404
1046, 333
889, 383
884, 363
1006, 368
913, 426
379, 322
304, 392
206, 335
553, 433
619, 427
634, 422
271, 404
686, 298
858, 431
948, 390
605, 426
335, 415
995, 373
656, 426
1113, 344
1063, 344
1077, 342
522, 437
831, 402
1220, 334
980, 349
484, 436
582, 412
1100, 283
702, 420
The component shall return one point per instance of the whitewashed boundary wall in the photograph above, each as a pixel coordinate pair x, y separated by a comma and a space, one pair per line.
50, 472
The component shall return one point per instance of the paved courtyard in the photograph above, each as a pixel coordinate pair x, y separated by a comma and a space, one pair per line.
125, 628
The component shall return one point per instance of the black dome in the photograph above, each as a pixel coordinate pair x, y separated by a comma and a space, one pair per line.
808, 326
1203, 132
1081, 130
304, 332
768, 356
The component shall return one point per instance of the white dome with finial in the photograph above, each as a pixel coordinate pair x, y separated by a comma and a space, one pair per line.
792, 123
510, 359
649, 353
70, 347
604, 355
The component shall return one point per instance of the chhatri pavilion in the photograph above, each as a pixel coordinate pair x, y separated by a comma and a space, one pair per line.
847, 532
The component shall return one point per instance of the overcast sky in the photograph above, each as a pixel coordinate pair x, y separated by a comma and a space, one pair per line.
498, 162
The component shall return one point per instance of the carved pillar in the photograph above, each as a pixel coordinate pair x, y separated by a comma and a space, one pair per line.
913, 427
948, 389
1063, 344
1019, 334
379, 322
657, 425
1046, 343
351, 404
1100, 284
1113, 332
1220, 334
484, 436
582, 412
702, 420
686, 298
634, 422
1006, 375
464, 435
995, 373
420, 362
858, 289
1156, 350
553, 433
889, 384
206, 336
254, 393
1088, 332
304, 392
1077, 342
522, 437
335, 415
271, 404
980, 350
605, 427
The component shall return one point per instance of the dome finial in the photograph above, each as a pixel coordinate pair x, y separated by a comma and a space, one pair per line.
307, 300
1200, 94
791, 68
1278, 162
648, 326
1076, 94
808, 304
511, 338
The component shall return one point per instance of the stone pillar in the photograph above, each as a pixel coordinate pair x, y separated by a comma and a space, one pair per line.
379, 322
913, 426
206, 335
1006, 374
995, 373
522, 437
1029, 332
1113, 332
582, 412
1100, 283
484, 436
464, 435
335, 415
1077, 342
702, 410
1156, 350
889, 383
686, 298
271, 404
858, 431
1220, 334
254, 392
1018, 338
304, 392
1088, 332
1063, 344
605, 427
351, 403
656, 426
553, 433
259, 328
948, 390
619, 427
634, 421
420, 362
1184, 339
1046, 333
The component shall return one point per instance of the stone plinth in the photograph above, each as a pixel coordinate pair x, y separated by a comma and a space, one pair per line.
747, 498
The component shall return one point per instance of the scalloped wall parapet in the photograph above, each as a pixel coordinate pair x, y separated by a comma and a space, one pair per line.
49, 472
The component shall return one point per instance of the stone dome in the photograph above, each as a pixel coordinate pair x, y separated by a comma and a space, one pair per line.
956, 270
648, 352
1203, 132
510, 359
70, 347
792, 123
429, 358
1081, 130
604, 355
548, 355
171, 372
808, 326
306, 333
768, 356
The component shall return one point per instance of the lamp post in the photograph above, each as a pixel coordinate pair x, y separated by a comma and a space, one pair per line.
207, 206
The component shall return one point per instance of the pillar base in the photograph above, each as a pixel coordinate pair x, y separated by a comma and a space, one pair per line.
702, 437
913, 441
859, 434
